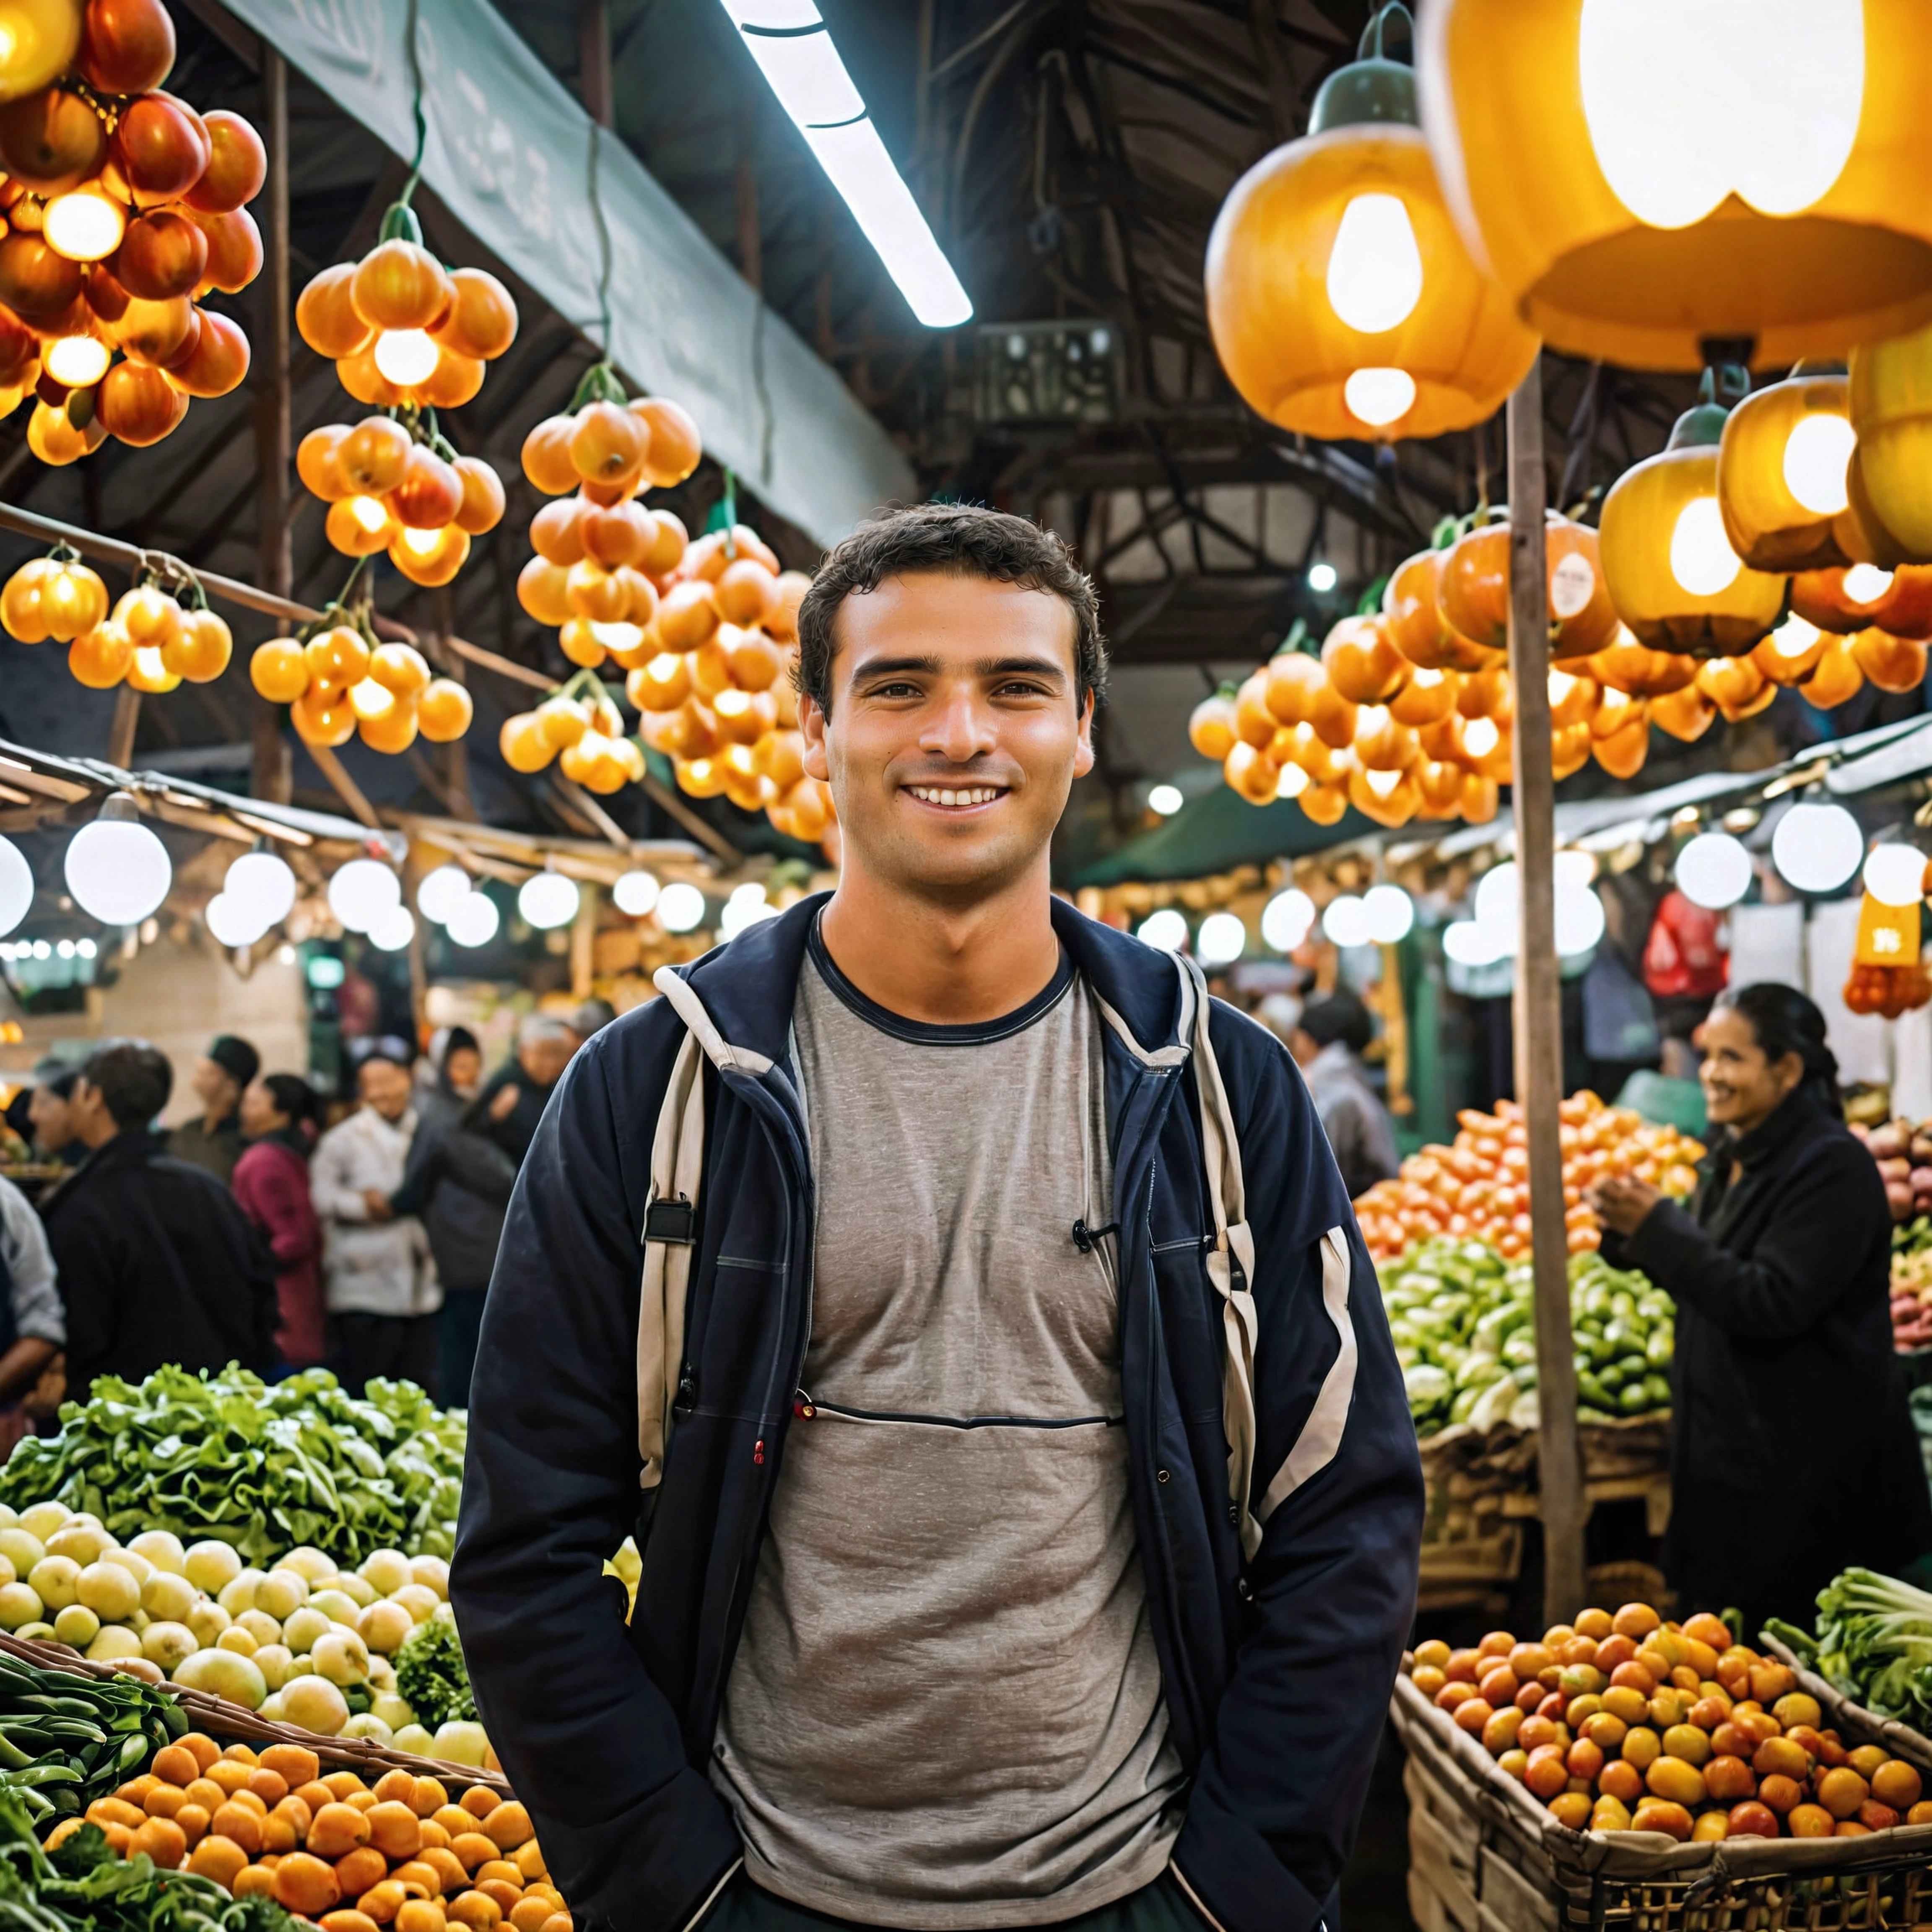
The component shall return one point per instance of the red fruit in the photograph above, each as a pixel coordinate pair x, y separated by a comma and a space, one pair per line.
19, 346
138, 405
238, 164
106, 297
36, 283
1752, 1820
218, 362
127, 46
51, 141
162, 254
429, 496
161, 147
234, 249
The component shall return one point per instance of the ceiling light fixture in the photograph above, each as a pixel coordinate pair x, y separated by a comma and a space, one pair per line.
795, 53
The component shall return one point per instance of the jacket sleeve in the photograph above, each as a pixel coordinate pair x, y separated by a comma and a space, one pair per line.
84, 1250
1798, 1269
476, 1163
1331, 1593
422, 1170
30, 1262
335, 1198
636, 1836
271, 1195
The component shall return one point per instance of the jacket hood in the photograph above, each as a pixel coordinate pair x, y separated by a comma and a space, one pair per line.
745, 989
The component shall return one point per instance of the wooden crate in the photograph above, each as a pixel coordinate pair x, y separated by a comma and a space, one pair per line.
235, 1723
1484, 1844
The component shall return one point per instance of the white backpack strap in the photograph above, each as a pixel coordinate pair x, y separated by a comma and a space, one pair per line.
1321, 1435
1231, 1263
671, 1228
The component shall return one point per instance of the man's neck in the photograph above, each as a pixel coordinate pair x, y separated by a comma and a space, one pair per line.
941, 963
215, 1119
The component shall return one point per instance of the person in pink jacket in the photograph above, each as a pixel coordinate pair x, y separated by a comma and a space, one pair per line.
280, 1118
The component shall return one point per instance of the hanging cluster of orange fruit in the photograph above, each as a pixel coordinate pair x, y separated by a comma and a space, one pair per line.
339, 683
601, 557
151, 640
1408, 711
717, 695
409, 337
122, 208
387, 491
583, 730
403, 331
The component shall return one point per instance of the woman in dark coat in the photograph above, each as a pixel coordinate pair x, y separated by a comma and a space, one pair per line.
280, 1116
1793, 1454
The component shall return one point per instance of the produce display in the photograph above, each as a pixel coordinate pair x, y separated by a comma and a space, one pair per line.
1627, 1723
1903, 1151
124, 210
1873, 1644
263, 1467
301, 1642
66, 1740
1464, 1323
271, 1827
84, 1885
1911, 1285
1478, 1187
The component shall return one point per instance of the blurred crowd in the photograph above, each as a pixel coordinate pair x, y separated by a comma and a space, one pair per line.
274, 1228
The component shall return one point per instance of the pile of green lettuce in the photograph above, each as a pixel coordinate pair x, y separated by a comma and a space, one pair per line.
262, 1465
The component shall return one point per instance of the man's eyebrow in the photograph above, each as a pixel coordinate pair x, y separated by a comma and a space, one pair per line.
1042, 667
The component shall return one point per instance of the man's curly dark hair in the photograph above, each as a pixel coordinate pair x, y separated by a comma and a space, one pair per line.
948, 540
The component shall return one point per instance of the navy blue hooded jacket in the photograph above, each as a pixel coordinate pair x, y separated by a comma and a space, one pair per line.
1276, 1668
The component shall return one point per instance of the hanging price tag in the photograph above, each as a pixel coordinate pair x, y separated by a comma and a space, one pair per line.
1888, 935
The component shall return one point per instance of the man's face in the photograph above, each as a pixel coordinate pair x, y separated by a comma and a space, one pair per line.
214, 1087
955, 734
88, 1114
385, 1086
545, 1059
463, 1066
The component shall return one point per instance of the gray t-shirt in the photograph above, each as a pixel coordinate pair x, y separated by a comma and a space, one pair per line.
946, 1709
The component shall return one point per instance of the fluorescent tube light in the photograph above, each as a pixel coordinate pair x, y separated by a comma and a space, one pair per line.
795, 51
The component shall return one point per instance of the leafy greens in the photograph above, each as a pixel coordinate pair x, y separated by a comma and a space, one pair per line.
263, 1466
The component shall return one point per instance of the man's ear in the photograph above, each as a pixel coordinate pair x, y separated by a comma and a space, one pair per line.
812, 724
1083, 756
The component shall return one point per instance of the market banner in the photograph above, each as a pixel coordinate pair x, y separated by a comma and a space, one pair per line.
510, 154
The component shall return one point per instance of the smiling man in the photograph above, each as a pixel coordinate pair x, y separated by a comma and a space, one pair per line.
1029, 1502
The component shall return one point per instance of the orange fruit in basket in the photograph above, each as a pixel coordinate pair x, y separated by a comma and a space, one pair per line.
1658, 1815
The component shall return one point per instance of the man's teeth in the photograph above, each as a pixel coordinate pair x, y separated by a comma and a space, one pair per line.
970, 795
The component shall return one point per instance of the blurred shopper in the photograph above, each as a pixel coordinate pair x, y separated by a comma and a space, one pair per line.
509, 1107
281, 1117
458, 1181
157, 1263
1332, 1035
33, 1329
383, 1291
1779, 1265
219, 1078
592, 1016
50, 1113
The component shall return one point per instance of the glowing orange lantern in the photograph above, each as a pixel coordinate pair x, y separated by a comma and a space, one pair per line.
1672, 571
1342, 301
1632, 210
1781, 472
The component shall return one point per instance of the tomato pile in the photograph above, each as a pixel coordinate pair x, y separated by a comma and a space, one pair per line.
1627, 1723
1478, 1187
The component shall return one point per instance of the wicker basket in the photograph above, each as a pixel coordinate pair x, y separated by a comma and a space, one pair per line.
235, 1723
1485, 1856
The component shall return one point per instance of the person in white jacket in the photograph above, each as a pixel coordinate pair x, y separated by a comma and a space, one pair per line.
383, 1294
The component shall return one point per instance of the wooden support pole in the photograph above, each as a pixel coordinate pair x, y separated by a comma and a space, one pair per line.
593, 61
1538, 1010
274, 434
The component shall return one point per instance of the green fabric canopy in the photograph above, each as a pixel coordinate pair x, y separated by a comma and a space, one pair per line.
1218, 831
